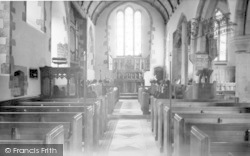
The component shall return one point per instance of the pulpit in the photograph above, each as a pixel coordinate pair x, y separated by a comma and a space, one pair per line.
61, 82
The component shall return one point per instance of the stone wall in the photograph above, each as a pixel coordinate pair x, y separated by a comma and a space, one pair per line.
29, 48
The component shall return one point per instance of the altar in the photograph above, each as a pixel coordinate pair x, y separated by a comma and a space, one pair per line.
129, 72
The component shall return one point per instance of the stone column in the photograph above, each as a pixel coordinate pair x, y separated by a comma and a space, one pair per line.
192, 47
201, 41
242, 63
184, 54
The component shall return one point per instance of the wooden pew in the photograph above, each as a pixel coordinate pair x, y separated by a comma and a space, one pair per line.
100, 107
184, 103
207, 108
145, 102
203, 144
99, 112
208, 122
87, 122
165, 131
72, 123
223, 106
116, 94
42, 133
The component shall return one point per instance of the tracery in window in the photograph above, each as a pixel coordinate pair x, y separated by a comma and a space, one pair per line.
120, 33
137, 33
221, 36
128, 32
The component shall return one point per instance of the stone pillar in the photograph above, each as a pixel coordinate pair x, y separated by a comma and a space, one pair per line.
5, 38
200, 48
242, 49
184, 54
201, 41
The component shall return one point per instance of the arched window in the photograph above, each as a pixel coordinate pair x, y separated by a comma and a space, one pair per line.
221, 36
120, 33
128, 35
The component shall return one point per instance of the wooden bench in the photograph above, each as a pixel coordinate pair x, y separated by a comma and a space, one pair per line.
199, 107
185, 103
42, 133
210, 122
75, 102
158, 124
99, 107
140, 90
145, 100
203, 144
99, 113
72, 123
165, 131
87, 122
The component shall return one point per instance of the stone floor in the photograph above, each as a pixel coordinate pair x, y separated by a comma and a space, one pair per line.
129, 132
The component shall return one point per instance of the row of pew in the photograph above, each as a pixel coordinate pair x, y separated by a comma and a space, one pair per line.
200, 128
144, 99
78, 124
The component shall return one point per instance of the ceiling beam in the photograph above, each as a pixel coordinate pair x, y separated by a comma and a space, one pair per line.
97, 6
178, 2
166, 10
162, 9
78, 8
102, 9
90, 3
172, 6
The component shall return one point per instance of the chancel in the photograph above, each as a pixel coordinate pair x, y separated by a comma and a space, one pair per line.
127, 77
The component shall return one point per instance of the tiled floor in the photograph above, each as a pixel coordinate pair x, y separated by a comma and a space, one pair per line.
129, 132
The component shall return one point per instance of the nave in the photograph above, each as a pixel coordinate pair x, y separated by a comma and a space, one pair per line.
129, 132
65, 67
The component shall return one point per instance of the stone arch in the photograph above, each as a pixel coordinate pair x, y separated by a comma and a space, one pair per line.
241, 17
210, 46
182, 19
206, 8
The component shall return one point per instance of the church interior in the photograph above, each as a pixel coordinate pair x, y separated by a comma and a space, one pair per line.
126, 77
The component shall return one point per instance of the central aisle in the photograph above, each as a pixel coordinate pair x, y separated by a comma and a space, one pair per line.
129, 132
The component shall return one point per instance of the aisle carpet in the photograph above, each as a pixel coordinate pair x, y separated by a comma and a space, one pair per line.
129, 132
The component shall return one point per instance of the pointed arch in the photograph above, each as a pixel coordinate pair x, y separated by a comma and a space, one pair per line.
241, 17
182, 19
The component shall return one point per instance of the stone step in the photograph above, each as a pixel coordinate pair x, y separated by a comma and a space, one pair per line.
128, 97
128, 94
